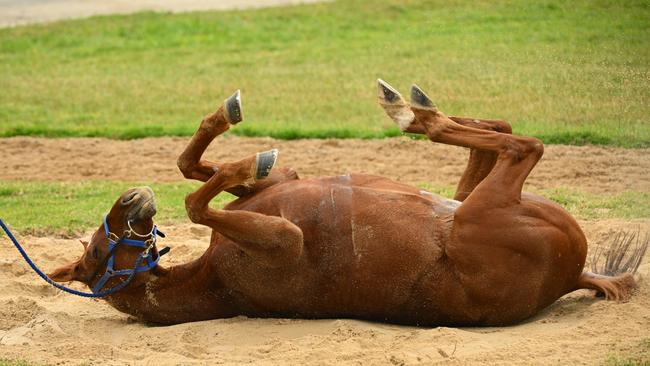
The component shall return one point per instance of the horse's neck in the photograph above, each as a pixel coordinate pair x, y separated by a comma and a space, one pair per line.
179, 294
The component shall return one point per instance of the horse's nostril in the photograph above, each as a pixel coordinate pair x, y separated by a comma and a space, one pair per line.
128, 198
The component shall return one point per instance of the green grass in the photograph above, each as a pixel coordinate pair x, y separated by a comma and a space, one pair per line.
67, 208
567, 72
624, 205
5, 362
637, 356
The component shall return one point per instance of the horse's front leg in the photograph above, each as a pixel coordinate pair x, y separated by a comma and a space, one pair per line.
271, 240
213, 125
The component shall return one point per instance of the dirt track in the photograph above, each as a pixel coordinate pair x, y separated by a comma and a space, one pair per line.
39, 324
593, 169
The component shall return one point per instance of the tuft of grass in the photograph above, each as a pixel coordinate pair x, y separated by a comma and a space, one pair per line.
638, 356
626, 205
7, 362
566, 72
444, 191
70, 208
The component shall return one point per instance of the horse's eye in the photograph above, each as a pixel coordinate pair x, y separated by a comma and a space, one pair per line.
95, 253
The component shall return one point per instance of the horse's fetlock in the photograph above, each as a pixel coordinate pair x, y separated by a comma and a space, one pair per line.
233, 170
214, 124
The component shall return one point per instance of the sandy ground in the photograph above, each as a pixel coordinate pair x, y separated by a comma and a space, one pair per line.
42, 325
39, 324
18, 12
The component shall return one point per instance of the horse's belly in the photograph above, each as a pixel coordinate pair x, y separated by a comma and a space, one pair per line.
365, 250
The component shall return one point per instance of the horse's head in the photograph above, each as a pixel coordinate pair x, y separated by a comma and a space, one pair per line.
131, 217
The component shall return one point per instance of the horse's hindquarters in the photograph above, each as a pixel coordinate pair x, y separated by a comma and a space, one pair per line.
514, 261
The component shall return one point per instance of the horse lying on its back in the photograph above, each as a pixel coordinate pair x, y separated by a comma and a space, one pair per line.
356, 245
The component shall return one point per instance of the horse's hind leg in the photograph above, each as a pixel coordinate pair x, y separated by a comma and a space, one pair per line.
213, 125
480, 162
515, 155
272, 240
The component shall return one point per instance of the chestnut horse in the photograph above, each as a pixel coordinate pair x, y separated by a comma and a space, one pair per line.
358, 246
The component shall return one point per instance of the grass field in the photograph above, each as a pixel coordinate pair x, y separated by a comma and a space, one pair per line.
67, 208
567, 72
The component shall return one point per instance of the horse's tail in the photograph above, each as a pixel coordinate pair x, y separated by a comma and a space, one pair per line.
613, 268
618, 288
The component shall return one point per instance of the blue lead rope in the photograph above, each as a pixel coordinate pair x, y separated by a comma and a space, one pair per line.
109, 270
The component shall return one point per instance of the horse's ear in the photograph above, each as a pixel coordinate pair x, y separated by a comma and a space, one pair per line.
66, 273
84, 243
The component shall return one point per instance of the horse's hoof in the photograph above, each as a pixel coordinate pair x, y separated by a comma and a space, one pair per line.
264, 163
394, 105
232, 107
419, 99
387, 94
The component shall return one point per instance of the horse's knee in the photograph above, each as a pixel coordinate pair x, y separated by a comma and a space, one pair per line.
185, 166
195, 211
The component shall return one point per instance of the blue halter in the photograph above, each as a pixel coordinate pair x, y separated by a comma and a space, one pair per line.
145, 257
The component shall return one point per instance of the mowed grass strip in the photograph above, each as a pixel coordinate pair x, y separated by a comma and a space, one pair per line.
567, 72
583, 205
67, 209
